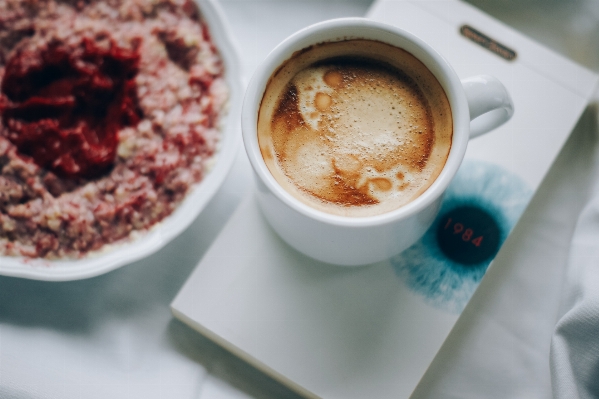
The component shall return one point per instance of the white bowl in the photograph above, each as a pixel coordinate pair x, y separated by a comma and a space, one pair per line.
148, 243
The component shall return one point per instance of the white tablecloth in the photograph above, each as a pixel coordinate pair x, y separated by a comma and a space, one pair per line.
113, 336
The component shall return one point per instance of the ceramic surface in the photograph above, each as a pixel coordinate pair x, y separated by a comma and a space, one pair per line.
352, 241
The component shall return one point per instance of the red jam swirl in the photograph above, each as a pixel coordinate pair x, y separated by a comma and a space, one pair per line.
64, 107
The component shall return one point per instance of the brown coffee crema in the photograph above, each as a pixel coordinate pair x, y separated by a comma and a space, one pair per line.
354, 128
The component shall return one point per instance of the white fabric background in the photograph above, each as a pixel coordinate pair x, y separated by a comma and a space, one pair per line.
113, 336
575, 345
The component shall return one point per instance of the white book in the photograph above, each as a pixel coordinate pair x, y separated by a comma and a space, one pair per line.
371, 332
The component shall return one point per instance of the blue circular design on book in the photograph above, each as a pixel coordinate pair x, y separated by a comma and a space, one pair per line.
481, 206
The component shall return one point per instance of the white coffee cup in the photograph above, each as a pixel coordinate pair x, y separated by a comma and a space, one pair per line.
479, 104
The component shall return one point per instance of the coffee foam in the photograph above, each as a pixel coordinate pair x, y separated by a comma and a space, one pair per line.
354, 128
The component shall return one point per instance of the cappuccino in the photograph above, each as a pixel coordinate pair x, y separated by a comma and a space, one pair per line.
354, 128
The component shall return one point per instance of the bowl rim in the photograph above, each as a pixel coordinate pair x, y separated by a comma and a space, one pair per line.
113, 256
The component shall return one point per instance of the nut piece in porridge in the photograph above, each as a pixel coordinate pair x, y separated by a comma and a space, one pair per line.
108, 115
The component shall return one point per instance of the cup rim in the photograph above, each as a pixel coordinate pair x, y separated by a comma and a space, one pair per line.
363, 28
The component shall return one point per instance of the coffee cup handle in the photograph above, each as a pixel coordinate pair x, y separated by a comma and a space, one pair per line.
489, 102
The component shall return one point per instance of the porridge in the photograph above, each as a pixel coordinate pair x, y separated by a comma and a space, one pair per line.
109, 113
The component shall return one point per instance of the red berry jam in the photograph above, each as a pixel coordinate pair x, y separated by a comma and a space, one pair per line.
64, 107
